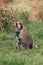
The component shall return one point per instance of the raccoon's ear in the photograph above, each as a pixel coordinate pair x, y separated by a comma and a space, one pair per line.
15, 24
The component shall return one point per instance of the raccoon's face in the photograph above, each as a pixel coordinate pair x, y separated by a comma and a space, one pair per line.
18, 25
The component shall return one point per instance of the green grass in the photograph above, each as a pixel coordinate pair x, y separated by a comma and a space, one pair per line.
10, 56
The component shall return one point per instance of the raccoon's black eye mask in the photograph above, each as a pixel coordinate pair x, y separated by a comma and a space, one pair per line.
21, 26
16, 25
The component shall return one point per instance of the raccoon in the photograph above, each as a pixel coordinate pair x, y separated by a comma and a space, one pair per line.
24, 36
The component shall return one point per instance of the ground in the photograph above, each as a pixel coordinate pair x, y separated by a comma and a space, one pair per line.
10, 56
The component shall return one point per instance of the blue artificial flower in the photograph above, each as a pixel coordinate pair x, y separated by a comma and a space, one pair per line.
16, 33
